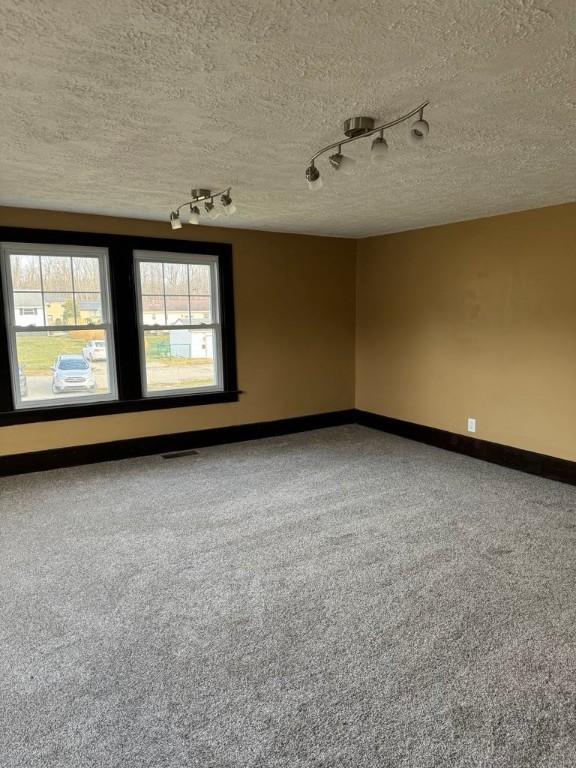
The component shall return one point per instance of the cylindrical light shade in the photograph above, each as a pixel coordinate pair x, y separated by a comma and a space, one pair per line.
342, 163
379, 150
211, 211
194, 215
345, 164
313, 178
418, 131
175, 222
227, 204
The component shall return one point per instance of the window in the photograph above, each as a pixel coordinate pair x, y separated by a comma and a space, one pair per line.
94, 324
179, 323
57, 306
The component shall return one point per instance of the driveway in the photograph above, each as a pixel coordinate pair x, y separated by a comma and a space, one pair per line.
161, 376
40, 385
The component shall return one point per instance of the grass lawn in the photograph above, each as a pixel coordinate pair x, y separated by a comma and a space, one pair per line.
158, 352
38, 353
192, 383
167, 362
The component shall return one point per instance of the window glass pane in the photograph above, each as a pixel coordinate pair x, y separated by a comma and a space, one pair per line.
179, 359
28, 309
59, 309
86, 274
151, 279
25, 272
199, 279
56, 273
200, 307
177, 311
186, 298
153, 310
176, 278
88, 309
54, 365
200, 290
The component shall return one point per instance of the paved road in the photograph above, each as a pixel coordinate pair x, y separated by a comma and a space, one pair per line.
161, 376
40, 386
180, 375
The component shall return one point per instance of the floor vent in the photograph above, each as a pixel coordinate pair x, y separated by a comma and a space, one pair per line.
179, 454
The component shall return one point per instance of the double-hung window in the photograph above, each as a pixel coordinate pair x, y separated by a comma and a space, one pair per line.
179, 323
94, 324
57, 304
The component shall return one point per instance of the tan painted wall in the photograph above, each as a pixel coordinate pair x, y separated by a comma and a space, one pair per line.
474, 319
294, 299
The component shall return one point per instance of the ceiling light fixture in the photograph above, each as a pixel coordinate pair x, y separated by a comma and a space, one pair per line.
211, 212
313, 177
227, 204
419, 130
360, 128
379, 150
342, 163
207, 197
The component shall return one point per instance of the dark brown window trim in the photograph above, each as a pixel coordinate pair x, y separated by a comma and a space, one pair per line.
124, 309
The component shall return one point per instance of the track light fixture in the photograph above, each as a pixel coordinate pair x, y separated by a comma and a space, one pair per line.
227, 204
211, 211
313, 177
360, 128
419, 130
335, 160
379, 150
207, 197
342, 163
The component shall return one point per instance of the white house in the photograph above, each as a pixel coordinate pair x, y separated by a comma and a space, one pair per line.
57, 309
191, 344
28, 309
168, 310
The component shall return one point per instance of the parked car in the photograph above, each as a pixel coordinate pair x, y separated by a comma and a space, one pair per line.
72, 372
95, 350
23, 382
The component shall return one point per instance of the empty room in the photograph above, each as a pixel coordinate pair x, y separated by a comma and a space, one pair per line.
288, 384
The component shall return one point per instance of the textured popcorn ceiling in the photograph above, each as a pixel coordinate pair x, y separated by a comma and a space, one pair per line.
120, 106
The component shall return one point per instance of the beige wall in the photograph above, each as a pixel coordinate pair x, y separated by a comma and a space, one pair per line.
474, 319
294, 298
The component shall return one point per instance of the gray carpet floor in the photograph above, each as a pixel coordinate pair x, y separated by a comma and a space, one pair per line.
333, 598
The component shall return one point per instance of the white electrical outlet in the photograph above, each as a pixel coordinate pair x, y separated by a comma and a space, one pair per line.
471, 425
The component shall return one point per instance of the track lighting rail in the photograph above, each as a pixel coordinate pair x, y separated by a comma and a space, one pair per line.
201, 195
207, 197
370, 132
362, 127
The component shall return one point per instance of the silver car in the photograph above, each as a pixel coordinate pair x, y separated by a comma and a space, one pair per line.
72, 372
95, 350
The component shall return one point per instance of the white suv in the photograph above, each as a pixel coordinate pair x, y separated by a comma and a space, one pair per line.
95, 350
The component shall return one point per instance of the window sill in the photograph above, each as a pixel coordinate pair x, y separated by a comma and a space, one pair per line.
109, 407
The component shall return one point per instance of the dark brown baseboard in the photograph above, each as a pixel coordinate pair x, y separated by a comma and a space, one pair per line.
515, 458
145, 446
505, 455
